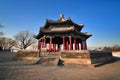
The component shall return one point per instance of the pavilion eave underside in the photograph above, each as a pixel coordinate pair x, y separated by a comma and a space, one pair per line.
75, 34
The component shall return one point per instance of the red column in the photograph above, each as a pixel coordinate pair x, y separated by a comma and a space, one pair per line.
42, 43
78, 45
58, 47
50, 44
45, 42
66, 43
54, 47
39, 45
84, 45
71, 45
63, 43
75, 43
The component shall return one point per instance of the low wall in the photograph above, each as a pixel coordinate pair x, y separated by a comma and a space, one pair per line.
100, 57
26, 55
85, 57
45, 53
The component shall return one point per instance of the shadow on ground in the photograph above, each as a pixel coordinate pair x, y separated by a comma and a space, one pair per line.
114, 59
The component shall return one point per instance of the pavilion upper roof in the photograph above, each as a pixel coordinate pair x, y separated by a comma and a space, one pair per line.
59, 26
62, 21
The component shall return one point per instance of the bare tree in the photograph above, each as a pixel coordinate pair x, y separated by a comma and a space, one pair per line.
6, 43
116, 48
24, 39
2, 43
113, 48
10, 43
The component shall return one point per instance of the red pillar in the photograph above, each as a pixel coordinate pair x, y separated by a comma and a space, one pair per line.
42, 43
45, 42
71, 45
78, 45
63, 43
50, 44
84, 45
66, 43
58, 47
39, 45
54, 46
75, 43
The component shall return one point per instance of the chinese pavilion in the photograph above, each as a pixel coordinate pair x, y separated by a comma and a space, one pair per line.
62, 34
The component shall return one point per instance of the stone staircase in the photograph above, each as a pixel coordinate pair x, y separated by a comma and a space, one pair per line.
49, 60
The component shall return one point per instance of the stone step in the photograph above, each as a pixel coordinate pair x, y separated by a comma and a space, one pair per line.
48, 61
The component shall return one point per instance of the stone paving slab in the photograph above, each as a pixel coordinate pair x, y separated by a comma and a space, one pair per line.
38, 72
109, 71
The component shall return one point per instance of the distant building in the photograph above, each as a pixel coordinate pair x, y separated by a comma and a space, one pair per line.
62, 34
14, 49
32, 47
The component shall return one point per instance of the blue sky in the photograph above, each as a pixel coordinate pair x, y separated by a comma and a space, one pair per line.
100, 17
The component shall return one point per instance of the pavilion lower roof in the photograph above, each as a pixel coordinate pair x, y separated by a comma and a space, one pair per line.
62, 32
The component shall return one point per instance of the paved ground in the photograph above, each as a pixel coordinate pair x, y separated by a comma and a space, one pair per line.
26, 71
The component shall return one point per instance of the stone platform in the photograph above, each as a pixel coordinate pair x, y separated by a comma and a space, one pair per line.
73, 58
85, 57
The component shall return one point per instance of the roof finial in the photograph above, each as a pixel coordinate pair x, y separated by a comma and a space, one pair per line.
62, 17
